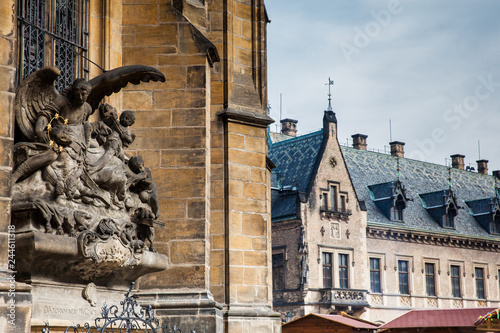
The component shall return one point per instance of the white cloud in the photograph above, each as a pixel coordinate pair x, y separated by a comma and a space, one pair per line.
426, 60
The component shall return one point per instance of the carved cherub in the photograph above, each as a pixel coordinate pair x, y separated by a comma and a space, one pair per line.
145, 187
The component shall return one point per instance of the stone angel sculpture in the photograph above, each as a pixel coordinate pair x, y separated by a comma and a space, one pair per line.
71, 170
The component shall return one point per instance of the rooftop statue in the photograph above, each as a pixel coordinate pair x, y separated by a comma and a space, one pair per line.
73, 177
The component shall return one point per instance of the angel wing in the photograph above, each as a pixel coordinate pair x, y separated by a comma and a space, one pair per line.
33, 95
114, 80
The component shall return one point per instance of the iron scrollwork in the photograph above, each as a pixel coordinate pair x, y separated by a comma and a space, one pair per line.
129, 319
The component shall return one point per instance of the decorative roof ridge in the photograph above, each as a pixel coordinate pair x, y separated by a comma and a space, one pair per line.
409, 159
304, 136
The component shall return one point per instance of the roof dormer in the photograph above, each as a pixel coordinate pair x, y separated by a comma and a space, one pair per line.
390, 198
442, 206
487, 213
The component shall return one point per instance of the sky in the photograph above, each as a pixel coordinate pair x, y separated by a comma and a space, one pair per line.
424, 72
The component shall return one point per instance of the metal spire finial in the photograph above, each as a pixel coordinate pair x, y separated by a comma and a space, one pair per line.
330, 83
397, 167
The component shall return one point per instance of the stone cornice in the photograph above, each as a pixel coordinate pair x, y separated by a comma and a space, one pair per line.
431, 238
247, 117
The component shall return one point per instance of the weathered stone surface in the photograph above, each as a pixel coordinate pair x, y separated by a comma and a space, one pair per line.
6, 51
140, 14
172, 183
187, 252
163, 34
7, 25
189, 117
254, 225
176, 277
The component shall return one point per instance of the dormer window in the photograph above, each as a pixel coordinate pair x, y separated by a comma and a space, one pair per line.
442, 206
449, 217
487, 213
398, 209
390, 198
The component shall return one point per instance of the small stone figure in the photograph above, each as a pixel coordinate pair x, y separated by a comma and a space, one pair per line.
146, 188
110, 171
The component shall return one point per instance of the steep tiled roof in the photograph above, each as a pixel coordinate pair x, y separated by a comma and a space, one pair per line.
295, 159
278, 137
422, 182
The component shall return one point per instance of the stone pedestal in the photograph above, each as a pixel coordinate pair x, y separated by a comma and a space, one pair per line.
187, 310
66, 286
247, 318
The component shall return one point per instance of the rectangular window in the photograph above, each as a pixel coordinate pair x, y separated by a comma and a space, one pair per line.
448, 220
479, 273
343, 207
333, 198
327, 270
278, 271
430, 280
455, 280
495, 226
54, 32
404, 288
324, 204
375, 275
343, 271
398, 212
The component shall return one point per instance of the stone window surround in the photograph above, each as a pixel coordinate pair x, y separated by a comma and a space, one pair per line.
462, 272
411, 270
335, 251
383, 267
340, 197
281, 250
437, 272
486, 276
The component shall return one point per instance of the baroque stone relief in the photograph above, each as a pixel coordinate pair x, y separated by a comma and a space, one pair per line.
72, 177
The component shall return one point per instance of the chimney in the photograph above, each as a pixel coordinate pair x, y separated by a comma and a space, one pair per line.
457, 161
482, 166
496, 173
397, 148
359, 141
289, 126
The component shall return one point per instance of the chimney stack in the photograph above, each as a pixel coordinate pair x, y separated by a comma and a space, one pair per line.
457, 161
289, 126
397, 148
482, 166
359, 141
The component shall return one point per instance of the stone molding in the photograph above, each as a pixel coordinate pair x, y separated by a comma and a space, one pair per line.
246, 117
430, 238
